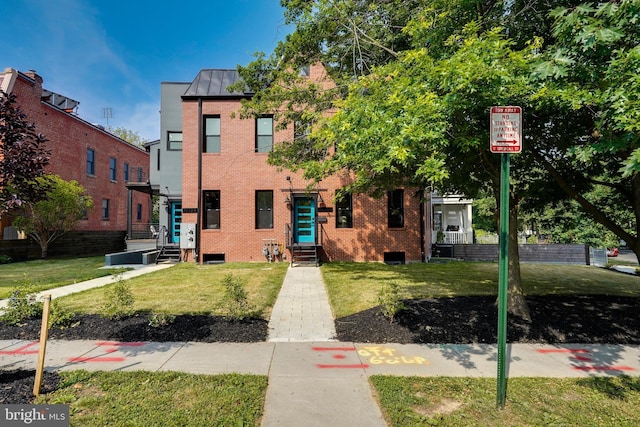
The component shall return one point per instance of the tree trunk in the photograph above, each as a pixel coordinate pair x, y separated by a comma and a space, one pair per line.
44, 248
516, 302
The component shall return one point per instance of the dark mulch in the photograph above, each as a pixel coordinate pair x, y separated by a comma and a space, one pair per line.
460, 320
464, 320
198, 328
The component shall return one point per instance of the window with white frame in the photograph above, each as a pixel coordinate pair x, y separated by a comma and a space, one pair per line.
264, 134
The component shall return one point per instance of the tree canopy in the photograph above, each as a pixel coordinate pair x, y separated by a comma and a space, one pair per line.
46, 220
23, 155
415, 81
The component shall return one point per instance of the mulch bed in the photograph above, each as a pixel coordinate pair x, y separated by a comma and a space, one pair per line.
593, 319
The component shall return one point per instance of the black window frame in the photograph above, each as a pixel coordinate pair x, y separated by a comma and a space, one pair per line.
264, 209
211, 207
172, 144
395, 208
206, 134
344, 210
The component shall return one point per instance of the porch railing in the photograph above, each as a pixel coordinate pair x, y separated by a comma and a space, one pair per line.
453, 237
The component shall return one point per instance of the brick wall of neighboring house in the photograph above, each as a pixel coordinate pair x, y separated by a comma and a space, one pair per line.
238, 172
69, 139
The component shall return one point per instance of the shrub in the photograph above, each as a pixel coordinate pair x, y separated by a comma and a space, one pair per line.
5, 259
235, 301
60, 316
119, 300
390, 300
158, 320
22, 305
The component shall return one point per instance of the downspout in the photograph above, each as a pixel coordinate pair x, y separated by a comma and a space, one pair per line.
199, 223
129, 213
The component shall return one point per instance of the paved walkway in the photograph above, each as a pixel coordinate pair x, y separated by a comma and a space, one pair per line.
313, 379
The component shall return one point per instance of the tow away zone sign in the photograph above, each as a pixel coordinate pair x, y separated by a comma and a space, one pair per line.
506, 129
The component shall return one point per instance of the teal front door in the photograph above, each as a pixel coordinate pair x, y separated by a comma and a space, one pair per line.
176, 220
304, 221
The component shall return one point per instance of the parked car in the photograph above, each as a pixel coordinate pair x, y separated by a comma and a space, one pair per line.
612, 252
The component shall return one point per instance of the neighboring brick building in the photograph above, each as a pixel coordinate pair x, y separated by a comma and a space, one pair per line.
101, 162
242, 205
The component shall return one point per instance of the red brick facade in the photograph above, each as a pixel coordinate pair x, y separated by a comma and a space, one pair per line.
69, 139
237, 171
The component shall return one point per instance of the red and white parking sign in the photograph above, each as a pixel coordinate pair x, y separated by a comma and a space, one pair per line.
506, 129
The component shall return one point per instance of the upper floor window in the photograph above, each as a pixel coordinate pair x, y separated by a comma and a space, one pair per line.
264, 134
301, 130
125, 168
344, 211
211, 134
112, 168
264, 209
304, 71
395, 205
140, 174
105, 208
174, 141
91, 161
211, 209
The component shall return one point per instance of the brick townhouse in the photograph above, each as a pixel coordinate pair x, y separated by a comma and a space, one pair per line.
101, 162
245, 209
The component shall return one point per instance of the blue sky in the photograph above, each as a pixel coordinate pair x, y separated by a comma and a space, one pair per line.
114, 54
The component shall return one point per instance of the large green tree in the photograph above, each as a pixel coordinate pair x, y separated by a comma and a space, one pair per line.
594, 65
418, 114
23, 155
46, 220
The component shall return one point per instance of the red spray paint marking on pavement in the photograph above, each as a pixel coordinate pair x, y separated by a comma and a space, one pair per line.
22, 350
561, 350
339, 356
586, 359
121, 344
334, 348
604, 368
115, 344
96, 359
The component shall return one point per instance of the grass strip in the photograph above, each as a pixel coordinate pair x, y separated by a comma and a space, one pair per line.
46, 274
160, 399
446, 401
354, 287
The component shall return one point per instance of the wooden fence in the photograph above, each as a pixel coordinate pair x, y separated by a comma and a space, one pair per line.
72, 244
549, 253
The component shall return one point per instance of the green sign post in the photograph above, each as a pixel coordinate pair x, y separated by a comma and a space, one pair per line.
506, 137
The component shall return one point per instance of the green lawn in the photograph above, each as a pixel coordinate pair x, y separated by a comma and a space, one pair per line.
190, 288
160, 399
354, 287
455, 402
50, 273
119, 398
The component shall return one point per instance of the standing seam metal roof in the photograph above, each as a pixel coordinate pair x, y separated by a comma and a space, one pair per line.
214, 83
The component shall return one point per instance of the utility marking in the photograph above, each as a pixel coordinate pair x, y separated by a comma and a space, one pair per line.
22, 350
112, 347
334, 348
358, 366
576, 355
96, 359
121, 344
604, 368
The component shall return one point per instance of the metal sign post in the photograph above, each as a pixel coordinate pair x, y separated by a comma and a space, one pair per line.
506, 137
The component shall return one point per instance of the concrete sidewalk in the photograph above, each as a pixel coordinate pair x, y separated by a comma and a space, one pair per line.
313, 379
